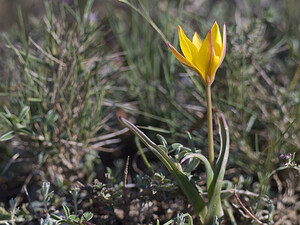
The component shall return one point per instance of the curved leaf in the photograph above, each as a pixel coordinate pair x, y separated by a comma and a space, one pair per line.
209, 171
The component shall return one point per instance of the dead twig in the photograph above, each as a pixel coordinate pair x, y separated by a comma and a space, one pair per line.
11, 161
125, 208
244, 208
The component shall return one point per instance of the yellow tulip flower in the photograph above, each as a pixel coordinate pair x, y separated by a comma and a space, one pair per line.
203, 57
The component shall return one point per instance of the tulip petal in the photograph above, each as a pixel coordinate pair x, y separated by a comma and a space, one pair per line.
188, 48
208, 61
214, 66
184, 61
197, 41
213, 61
217, 40
179, 57
224, 44
204, 56
224, 47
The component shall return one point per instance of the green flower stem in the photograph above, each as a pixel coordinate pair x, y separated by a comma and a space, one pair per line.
211, 155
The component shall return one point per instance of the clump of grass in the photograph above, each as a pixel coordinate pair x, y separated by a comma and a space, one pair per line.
62, 80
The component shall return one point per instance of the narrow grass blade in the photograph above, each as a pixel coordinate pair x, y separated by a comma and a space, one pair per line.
150, 21
137, 142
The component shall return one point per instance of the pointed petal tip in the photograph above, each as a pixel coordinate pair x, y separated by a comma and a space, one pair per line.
216, 24
171, 46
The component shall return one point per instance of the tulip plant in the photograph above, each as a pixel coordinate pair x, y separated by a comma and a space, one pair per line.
204, 58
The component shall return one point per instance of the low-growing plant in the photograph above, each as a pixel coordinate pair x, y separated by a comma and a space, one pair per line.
15, 124
71, 219
180, 220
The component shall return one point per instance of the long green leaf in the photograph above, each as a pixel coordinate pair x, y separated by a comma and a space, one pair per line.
66, 210
7, 136
4, 117
149, 143
208, 169
186, 186
214, 192
24, 112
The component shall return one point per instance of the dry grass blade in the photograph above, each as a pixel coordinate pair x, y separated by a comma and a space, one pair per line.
52, 58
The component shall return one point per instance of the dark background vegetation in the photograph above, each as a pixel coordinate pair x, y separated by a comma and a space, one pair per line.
68, 70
